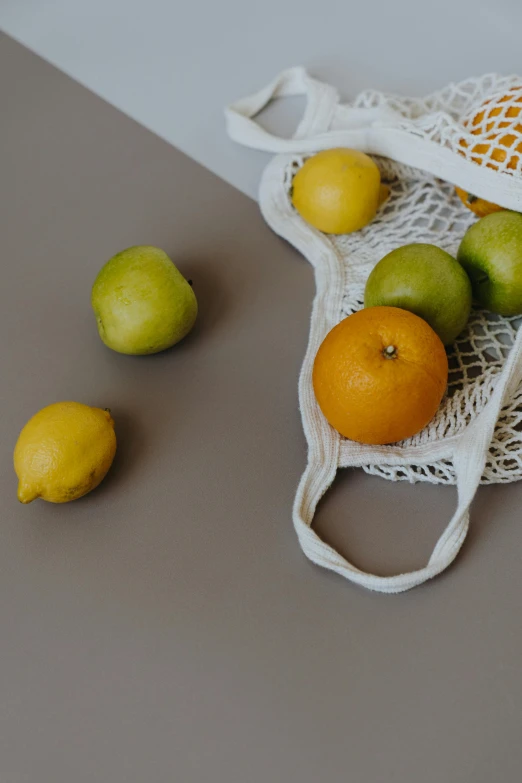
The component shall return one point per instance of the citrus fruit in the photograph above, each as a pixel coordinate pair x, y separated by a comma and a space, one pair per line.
426, 281
479, 206
142, 302
338, 191
64, 452
380, 374
500, 142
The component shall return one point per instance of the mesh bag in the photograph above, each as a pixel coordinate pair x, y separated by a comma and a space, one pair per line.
470, 135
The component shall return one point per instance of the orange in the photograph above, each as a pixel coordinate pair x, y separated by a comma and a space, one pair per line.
479, 206
380, 374
496, 146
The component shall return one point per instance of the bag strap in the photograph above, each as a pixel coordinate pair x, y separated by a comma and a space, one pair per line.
469, 458
376, 131
322, 100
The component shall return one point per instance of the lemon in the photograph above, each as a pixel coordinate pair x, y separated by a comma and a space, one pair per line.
64, 452
338, 191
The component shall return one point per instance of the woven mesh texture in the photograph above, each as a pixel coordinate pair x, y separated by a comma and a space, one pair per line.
480, 119
422, 208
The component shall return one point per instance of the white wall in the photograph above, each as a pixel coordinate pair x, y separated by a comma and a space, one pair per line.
173, 65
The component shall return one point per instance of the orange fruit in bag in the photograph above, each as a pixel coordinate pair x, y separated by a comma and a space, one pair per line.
380, 375
500, 143
479, 206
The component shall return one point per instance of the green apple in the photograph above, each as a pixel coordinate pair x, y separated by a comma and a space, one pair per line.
491, 254
426, 281
142, 303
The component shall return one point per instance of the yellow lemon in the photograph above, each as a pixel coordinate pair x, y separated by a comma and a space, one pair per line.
338, 191
63, 452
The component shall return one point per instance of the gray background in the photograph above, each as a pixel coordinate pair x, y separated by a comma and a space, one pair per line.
167, 627
173, 65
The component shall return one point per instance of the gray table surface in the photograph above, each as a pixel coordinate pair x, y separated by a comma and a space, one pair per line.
167, 626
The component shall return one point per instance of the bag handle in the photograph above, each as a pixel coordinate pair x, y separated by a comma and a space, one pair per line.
322, 100
376, 131
469, 458
314, 131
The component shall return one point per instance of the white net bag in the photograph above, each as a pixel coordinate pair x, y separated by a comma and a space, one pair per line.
470, 135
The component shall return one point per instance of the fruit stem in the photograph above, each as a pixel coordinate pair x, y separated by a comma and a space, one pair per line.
472, 198
390, 352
